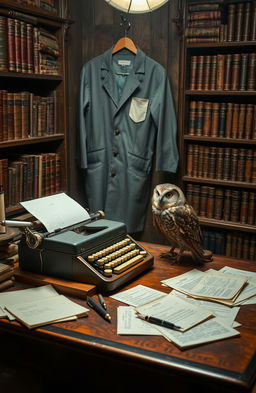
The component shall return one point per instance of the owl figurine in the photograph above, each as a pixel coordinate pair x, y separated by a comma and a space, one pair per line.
178, 222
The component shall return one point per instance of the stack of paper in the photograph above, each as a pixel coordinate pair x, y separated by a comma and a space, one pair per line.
39, 306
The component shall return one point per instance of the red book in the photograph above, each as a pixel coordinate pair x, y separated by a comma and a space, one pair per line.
17, 39
23, 47
11, 44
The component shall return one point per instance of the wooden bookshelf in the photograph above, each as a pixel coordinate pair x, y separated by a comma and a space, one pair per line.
35, 84
204, 72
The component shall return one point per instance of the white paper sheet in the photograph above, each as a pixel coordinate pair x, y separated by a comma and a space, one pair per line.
128, 323
138, 295
56, 211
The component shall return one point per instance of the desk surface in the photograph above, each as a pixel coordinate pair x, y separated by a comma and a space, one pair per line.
228, 365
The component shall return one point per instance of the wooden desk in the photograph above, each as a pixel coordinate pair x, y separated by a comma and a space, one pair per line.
89, 352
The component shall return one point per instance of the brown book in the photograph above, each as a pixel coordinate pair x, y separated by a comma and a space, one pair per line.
254, 167
203, 201
192, 115
239, 22
195, 160
206, 155
207, 118
199, 119
222, 119
218, 205
204, 31
35, 49
210, 202
247, 22
231, 22
219, 163
252, 248
17, 41
203, 7
193, 73
206, 72
226, 163
195, 197
204, 23
199, 72
23, 47
223, 33
212, 162
253, 22
5, 115
239, 247
204, 15
190, 156
234, 129
245, 252
251, 71
244, 207
253, 135
10, 114
233, 163
243, 73
235, 71
227, 205
189, 195
3, 44
228, 245
251, 209
17, 115
11, 44
25, 116
215, 119
229, 119
241, 120
241, 164
213, 72
30, 55
248, 124
227, 72
235, 205
248, 165
220, 71
200, 160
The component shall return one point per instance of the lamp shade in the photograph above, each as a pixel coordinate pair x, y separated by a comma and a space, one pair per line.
136, 6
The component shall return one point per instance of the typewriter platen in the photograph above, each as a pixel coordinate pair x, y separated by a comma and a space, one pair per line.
96, 251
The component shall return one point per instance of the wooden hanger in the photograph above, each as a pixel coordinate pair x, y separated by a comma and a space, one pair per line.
125, 42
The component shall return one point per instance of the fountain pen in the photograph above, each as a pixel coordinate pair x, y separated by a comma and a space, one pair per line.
98, 308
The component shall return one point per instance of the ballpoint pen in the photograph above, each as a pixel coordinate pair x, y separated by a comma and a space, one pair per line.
102, 301
158, 321
98, 308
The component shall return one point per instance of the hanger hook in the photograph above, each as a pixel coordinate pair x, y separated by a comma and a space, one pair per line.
126, 23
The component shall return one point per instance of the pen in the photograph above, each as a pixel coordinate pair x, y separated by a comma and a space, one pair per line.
98, 308
159, 322
102, 301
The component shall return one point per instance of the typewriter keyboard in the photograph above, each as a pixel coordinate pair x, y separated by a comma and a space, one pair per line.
117, 258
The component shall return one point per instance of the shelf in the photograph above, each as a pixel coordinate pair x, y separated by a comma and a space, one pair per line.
26, 75
32, 140
227, 225
227, 44
220, 140
229, 183
221, 92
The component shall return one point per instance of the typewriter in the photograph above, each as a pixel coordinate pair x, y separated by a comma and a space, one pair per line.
96, 251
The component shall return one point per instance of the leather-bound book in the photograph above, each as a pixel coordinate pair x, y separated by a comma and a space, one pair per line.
247, 22
213, 72
206, 72
17, 120
195, 198
192, 116
235, 205
190, 159
252, 248
207, 118
229, 119
254, 167
189, 195
251, 208
212, 162
249, 121
30, 55
220, 71
251, 78
235, 71
253, 135
195, 160
241, 121
239, 247
233, 163
218, 205
253, 22
17, 40
23, 47
219, 163
227, 73
5, 115
239, 22
202, 15
234, 129
245, 251
11, 44
199, 72
210, 202
228, 245
206, 156
231, 22
241, 164
203, 201
244, 207
215, 119
199, 119
227, 205
193, 73
3, 44
248, 165
200, 160
226, 163
243, 73
10, 114
222, 119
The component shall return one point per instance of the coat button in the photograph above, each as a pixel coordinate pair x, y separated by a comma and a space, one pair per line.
115, 153
117, 132
113, 174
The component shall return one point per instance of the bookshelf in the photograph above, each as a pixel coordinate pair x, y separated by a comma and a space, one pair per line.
218, 122
33, 100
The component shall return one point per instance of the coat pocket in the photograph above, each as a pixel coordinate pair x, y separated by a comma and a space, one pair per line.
138, 109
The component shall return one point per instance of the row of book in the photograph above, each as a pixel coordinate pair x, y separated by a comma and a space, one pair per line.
48, 5
6, 276
211, 22
236, 71
24, 114
223, 163
222, 203
30, 176
222, 119
27, 49
232, 244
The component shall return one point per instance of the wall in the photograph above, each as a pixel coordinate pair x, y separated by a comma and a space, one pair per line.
95, 29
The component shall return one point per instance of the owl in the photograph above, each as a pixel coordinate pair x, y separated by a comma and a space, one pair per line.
178, 222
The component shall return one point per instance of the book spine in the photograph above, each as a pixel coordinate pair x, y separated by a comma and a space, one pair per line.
239, 22
210, 202
233, 163
195, 160
251, 209
231, 22
206, 155
11, 44
251, 71
200, 160
24, 49
219, 163
203, 201
235, 73
229, 117
204, 15
246, 27
206, 73
199, 73
220, 72
207, 121
218, 205
248, 165
213, 72
193, 73
226, 163
241, 164
215, 119
222, 119
227, 72
244, 72
3, 44
192, 117
235, 205
241, 121
248, 126
244, 207
253, 22
212, 162
199, 119
234, 129
17, 43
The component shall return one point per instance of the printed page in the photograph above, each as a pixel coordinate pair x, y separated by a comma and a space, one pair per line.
138, 295
44, 311
56, 211
185, 282
25, 295
128, 323
208, 331
175, 310
249, 291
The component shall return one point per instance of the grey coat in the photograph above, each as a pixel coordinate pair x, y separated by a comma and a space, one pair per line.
126, 116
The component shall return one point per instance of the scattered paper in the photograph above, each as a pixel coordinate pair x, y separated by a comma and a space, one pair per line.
138, 295
128, 323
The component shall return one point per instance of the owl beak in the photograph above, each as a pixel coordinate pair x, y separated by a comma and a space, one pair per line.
160, 200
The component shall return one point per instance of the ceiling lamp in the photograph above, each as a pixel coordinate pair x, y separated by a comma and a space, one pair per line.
136, 6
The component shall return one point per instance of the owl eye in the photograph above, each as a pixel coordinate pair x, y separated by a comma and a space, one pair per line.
168, 195
157, 193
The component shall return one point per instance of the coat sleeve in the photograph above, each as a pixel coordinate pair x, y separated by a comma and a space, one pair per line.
84, 101
163, 113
